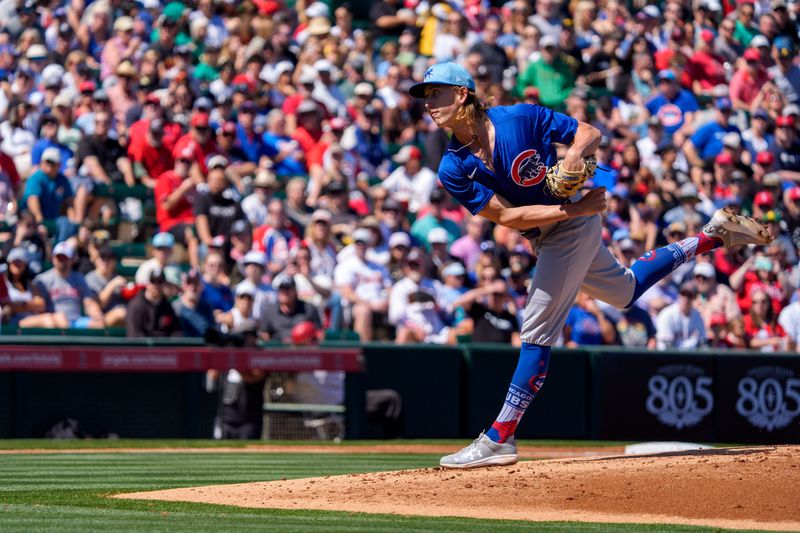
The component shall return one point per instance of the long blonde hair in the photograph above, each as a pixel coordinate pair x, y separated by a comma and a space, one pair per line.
474, 110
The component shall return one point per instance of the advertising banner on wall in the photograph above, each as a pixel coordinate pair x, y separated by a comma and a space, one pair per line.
653, 396
758, 399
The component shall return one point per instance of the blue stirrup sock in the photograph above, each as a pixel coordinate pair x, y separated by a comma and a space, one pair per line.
656, 264
528, 379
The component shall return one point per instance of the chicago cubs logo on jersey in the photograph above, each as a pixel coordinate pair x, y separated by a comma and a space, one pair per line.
670, 115
527, 169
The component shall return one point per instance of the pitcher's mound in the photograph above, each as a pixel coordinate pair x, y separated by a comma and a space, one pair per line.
743, 488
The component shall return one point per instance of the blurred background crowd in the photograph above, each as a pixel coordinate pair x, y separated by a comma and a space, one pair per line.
180, 168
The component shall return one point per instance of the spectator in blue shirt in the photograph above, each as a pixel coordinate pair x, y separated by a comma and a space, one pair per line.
281, 148
707, 141
587, 325
674, 106
48, 195
251, 142
48, 138
194, 314
216, 294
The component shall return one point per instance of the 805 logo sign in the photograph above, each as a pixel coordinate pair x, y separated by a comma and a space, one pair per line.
680, 395
769, 397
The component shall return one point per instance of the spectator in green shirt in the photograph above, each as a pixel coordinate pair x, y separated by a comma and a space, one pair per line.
550, 74
435, 219
745, 29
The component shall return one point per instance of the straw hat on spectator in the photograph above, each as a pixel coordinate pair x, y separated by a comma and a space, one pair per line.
319, 26
265, 179
123, 24
127, 70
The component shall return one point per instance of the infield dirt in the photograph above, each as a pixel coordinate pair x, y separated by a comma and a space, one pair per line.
738, 488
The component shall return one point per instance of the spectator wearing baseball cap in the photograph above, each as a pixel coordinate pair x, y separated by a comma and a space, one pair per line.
240, 318
678, 104
287, 310
151, 157
784, 146
199, 140
689, 198
433, 219
748, 80
681, 326
20, 304
253, 267
363, 285
757, 138
163, 244
250, 142
48, 194
785, 74
217, 207
107, 284
708, 141
195, 316
714, 298
48, 138
241, 239
150, 313
413, 280
550, 74
228, 146
411, 178
67, 296
281, 148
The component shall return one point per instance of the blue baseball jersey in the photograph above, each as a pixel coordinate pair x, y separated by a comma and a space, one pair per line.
523, 151
672, 112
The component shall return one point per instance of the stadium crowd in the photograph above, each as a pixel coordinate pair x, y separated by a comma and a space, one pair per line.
284, 182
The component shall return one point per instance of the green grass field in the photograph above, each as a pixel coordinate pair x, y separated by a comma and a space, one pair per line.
68, 492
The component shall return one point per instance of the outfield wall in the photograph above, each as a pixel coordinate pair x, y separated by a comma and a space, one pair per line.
149, 389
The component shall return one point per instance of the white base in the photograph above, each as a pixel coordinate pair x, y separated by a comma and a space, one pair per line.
664, 447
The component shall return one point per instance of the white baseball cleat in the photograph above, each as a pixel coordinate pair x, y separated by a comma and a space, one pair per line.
736, 230
483, 452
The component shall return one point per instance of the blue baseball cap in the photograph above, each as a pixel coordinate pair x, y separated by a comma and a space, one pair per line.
723, 102
666, 75
163, 240
443, 74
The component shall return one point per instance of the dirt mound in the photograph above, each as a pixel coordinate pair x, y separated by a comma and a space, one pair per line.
744, 488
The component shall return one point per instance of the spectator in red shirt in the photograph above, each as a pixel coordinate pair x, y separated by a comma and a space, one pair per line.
152, 110
706, 69
309, 125
175, 192
238, 166
760, 272
200, 141
747, 81
151, 158
761, 327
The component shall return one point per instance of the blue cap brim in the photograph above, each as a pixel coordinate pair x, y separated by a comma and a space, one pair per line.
418, 89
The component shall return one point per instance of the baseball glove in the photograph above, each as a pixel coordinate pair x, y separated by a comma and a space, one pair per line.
563, 184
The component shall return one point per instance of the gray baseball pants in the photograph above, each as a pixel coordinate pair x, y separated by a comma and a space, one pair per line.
571, 258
